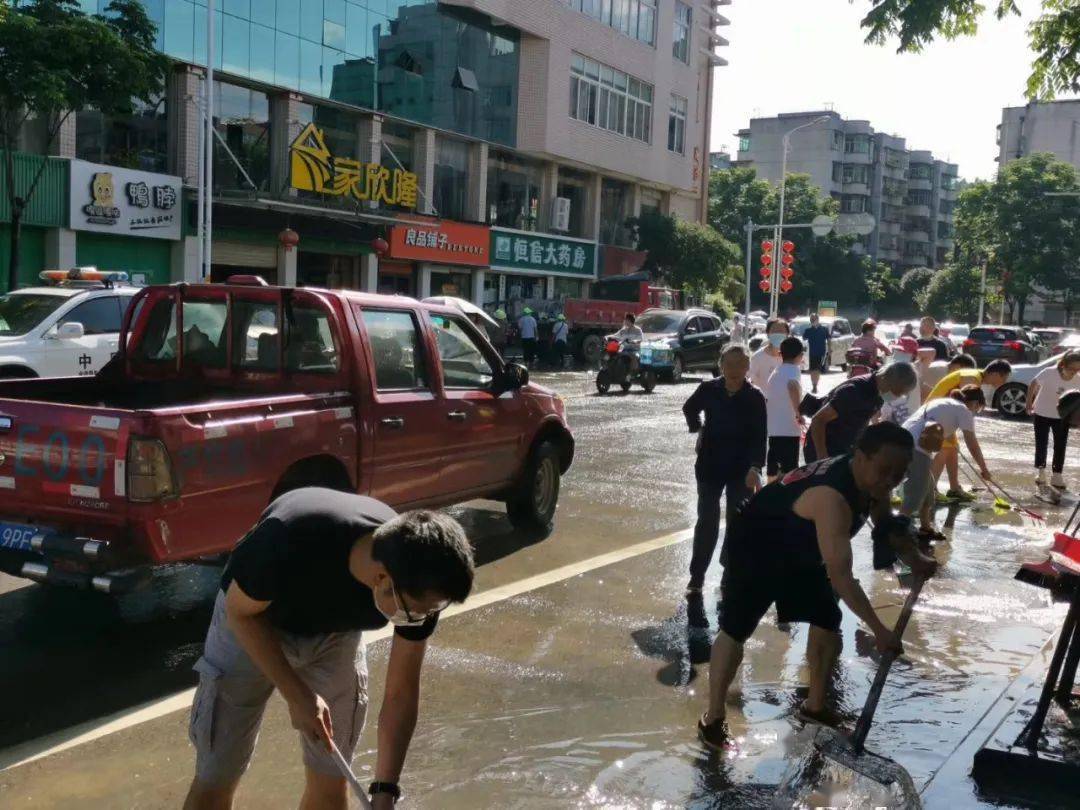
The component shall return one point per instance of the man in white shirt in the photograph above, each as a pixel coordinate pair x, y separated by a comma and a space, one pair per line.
629, 331
783, 393
560, 334
766, 360
527, 330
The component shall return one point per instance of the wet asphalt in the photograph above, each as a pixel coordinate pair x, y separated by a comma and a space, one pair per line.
579, 693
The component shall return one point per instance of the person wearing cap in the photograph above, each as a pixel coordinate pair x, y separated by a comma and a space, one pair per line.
904, 350
527, 330
560, 334
498, 333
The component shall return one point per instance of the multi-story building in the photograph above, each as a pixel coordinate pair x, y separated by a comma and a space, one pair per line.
1040, 126
498, 146
910, 194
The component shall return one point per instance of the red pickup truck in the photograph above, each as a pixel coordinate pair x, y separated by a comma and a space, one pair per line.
224, 396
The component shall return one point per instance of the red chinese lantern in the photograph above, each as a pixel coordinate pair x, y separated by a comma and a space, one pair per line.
767, 246
764, 286
378, 244
289, 239
766, 272
786, 286
787, 272
787, 260
788, 246
766, 260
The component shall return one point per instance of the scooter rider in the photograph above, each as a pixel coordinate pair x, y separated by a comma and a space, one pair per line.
630, 330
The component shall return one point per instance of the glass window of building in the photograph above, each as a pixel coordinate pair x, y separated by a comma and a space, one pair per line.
859, 144
651, 201
614, 211
680, 47
136, 141
573, 186
513, 191
634, 18
242, 118
676, 132
610, 99
451, 192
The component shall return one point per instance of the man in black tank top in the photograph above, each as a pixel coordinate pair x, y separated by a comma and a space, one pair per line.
791, 544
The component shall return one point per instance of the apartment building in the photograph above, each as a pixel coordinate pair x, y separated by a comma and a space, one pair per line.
911, 194
1040, 126
497, 146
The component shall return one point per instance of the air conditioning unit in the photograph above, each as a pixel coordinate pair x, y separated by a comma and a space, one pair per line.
560, 214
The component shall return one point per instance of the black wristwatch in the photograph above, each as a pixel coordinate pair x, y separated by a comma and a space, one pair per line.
385, 787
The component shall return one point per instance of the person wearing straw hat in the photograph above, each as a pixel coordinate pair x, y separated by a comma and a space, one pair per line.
527, 329
318, 569
498, 334
560, 335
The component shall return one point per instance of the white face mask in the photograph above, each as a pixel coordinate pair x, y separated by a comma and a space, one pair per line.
776, 340
401, 617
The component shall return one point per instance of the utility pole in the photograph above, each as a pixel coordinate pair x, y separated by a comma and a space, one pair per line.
207, 178
982, 295
749, 265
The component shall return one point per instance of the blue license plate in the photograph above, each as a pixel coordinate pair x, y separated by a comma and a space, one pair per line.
16, 536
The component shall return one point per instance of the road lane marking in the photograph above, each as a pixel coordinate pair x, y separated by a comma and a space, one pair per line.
65, 739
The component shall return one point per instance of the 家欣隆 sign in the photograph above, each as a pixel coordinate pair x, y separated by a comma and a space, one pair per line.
313, 168
127, 202
441, 242
525, 251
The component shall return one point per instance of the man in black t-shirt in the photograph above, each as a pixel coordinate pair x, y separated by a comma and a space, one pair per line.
319, 568
791, 545
850, 407
930, 339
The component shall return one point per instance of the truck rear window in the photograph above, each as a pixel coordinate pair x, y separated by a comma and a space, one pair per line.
204, 333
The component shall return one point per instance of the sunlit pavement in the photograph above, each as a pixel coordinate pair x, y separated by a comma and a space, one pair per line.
582, 690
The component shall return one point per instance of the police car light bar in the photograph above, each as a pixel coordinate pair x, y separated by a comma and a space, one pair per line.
84, 274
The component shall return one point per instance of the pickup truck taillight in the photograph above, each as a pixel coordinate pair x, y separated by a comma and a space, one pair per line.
149, 473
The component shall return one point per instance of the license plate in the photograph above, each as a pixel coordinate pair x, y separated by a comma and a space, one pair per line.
646, 355
16, 536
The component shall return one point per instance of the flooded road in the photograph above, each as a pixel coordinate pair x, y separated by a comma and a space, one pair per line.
580, 683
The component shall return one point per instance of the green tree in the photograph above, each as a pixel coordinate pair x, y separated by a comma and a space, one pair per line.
58, 61
1028, 237
1054, 34
953, 293
825, 267
688, 255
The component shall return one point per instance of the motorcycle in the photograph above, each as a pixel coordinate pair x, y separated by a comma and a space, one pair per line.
861, 362
623, 364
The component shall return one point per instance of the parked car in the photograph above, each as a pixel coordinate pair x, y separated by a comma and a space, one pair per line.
840, 338
1052, 336
1012, 343
174, 449
1010, 400
955, 333
695, 338
67, 329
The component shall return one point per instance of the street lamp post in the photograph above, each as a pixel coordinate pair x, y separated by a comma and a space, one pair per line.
785, 147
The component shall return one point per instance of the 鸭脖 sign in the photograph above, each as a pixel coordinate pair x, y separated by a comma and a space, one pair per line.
127, 202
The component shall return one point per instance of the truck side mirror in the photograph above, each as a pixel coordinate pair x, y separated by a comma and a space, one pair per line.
71, 330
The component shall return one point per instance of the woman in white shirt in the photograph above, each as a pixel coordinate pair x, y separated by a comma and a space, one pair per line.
1042, 400
939, 419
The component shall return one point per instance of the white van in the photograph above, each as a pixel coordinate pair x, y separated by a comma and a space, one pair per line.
69, 329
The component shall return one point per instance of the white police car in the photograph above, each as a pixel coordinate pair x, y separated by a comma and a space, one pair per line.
70, 328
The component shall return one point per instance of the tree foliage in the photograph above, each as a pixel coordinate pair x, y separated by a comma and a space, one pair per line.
1028, 238
825, 267
1054, 34
953, 293
58, 61
688, 255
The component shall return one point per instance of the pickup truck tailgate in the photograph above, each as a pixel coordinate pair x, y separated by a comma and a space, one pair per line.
58, 460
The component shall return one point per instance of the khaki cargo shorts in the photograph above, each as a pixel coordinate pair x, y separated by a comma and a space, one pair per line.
232, 695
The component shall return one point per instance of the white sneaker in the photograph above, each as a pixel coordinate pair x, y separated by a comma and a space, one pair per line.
1040, 479
1058, 481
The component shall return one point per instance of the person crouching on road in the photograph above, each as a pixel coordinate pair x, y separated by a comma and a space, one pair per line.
318, 569
850, 407
1042, 399
782, 397
730, 450
953, 413
790, 545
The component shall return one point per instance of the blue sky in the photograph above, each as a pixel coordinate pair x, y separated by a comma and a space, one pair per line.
789, 55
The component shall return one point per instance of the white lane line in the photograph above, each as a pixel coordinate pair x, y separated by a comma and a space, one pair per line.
76, 735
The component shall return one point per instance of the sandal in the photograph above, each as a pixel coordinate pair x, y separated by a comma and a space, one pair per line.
825, 717
715, 734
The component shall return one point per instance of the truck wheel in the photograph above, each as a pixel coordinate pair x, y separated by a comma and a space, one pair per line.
532, 506
592, 349
648, 381
603, 381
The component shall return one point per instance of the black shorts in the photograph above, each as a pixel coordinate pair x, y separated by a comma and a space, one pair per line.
817, 362
800, 594
783, 454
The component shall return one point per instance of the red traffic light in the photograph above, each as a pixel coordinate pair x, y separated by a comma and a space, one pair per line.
787, 272
767, 246
786, 286
764, 286
788, 246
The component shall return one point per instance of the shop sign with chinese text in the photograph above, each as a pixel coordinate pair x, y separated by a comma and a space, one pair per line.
441, 242
556, 255
125, 202
313, 168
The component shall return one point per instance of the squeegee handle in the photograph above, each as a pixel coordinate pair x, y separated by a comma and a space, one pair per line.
862, 727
